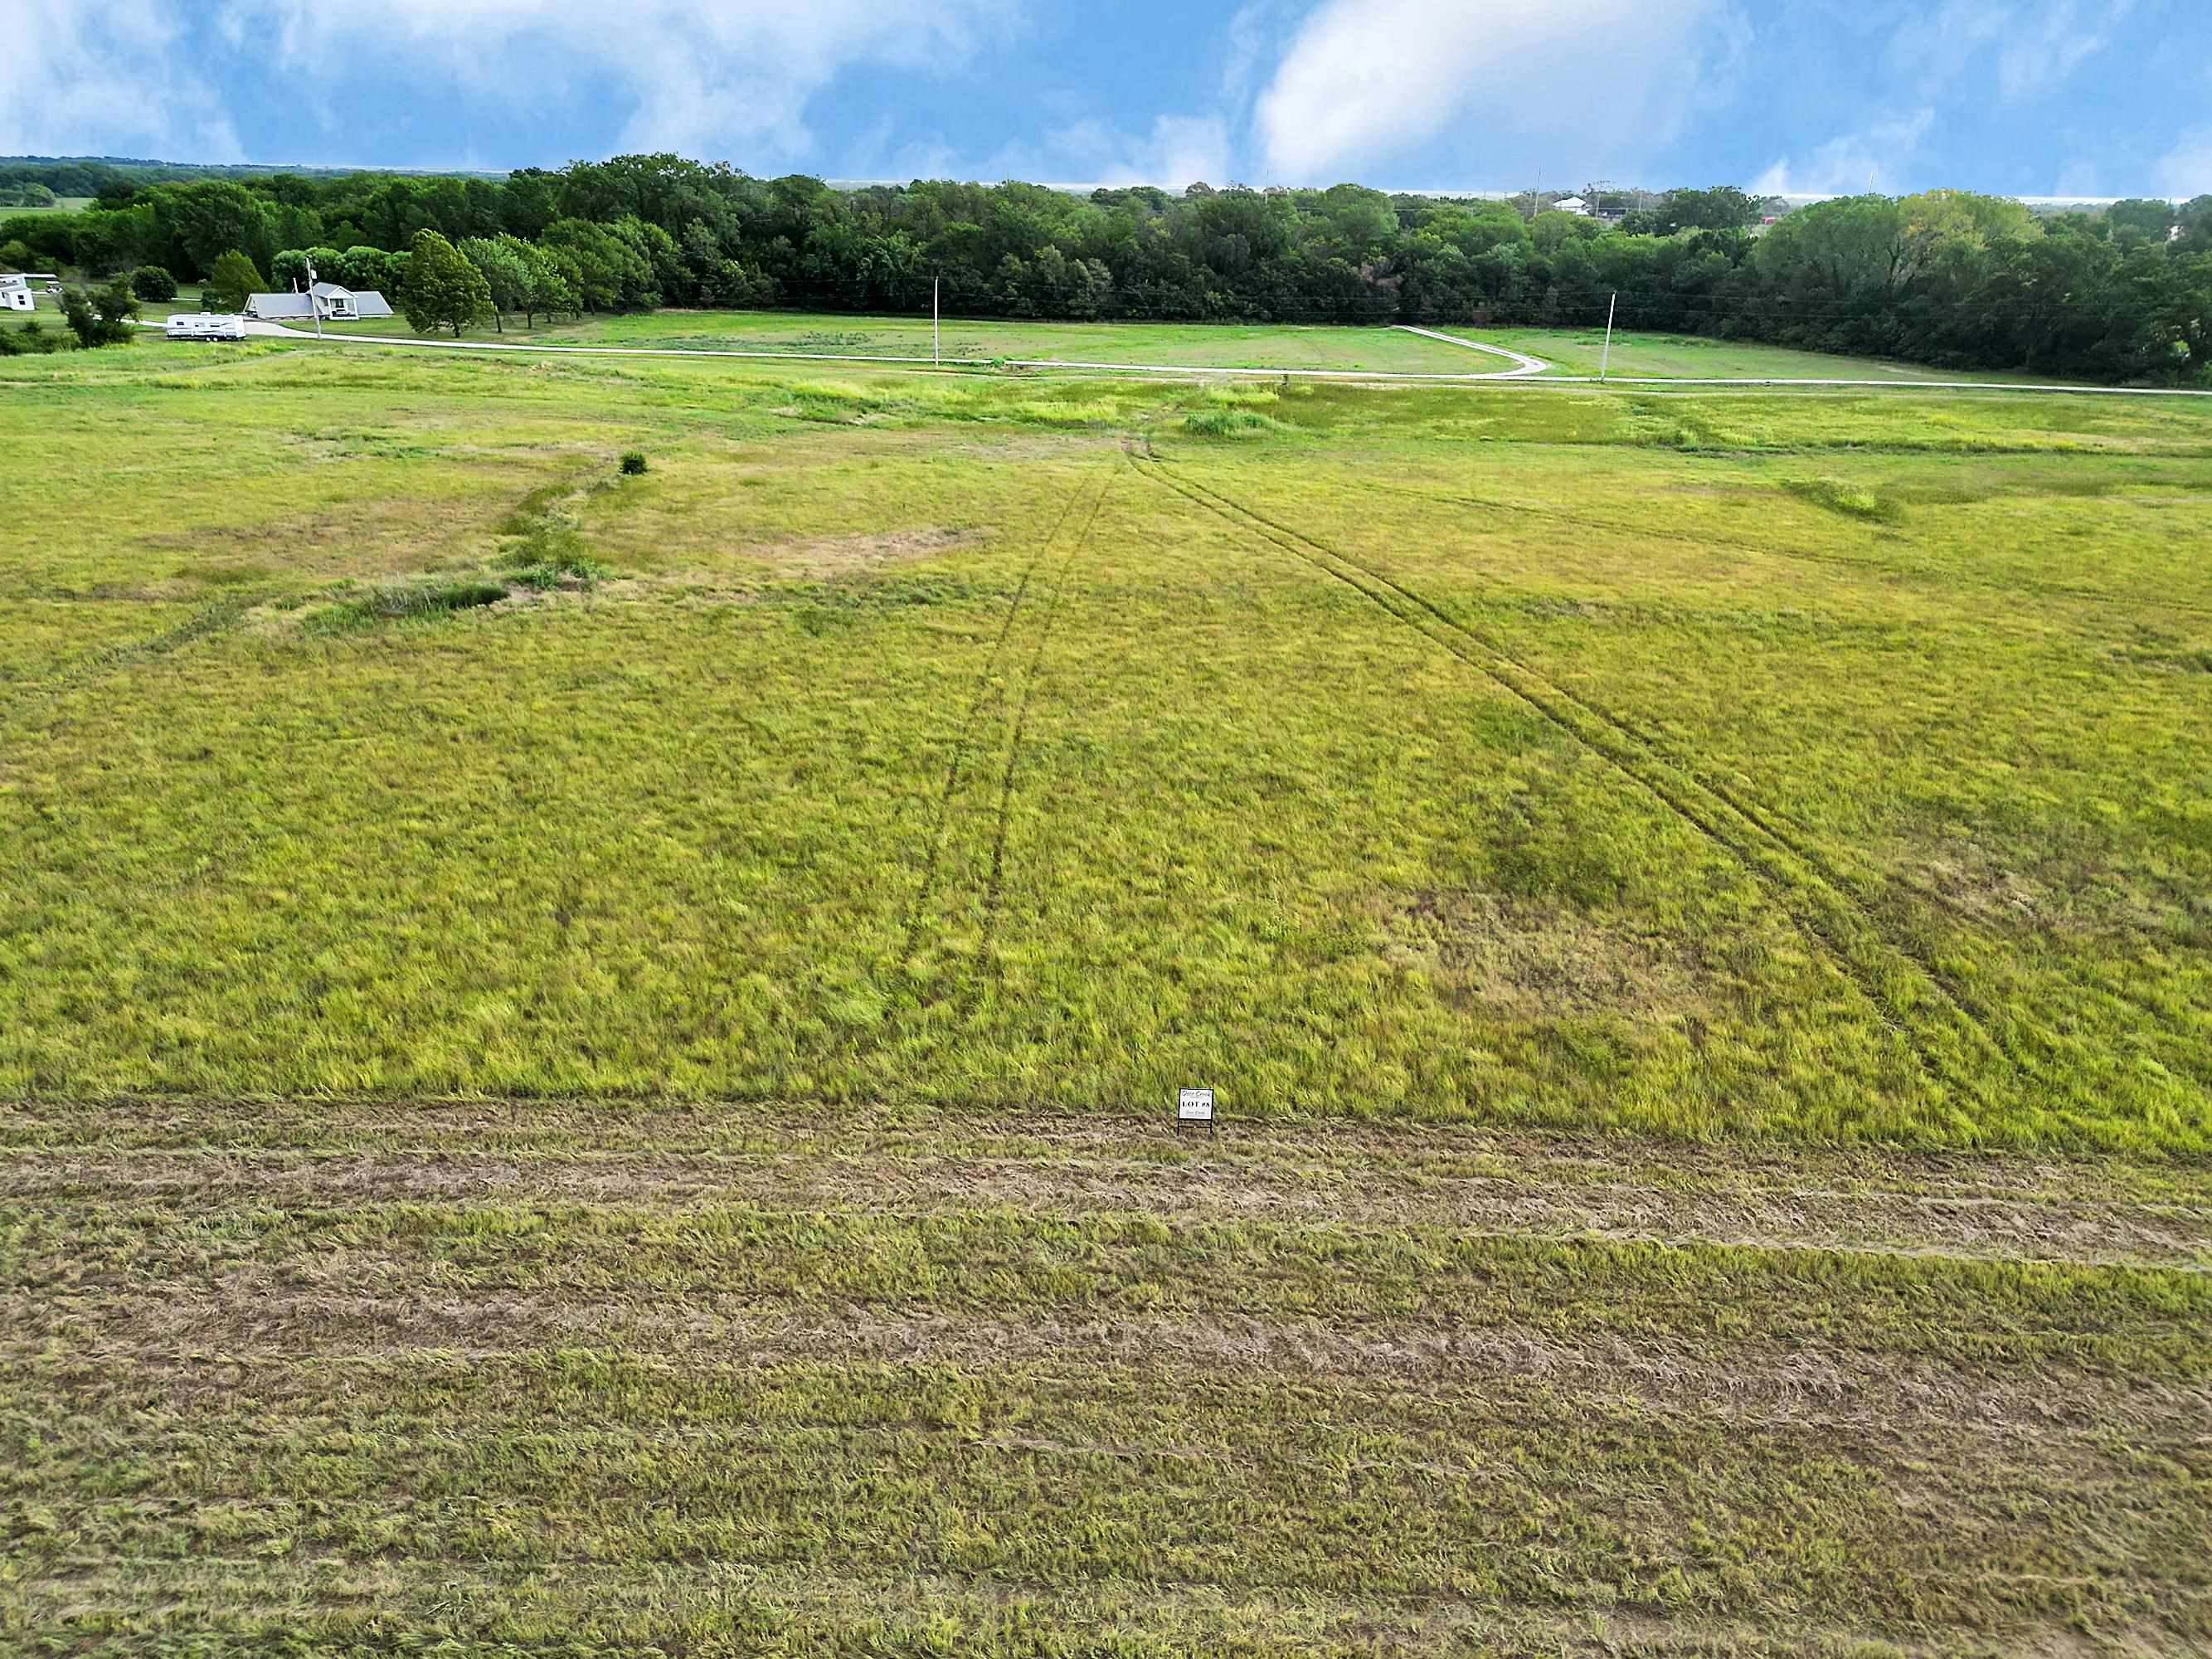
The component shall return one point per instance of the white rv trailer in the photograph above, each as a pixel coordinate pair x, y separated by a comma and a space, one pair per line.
206, 326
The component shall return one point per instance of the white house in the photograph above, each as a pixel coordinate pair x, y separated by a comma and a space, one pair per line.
17, 293
1572, 205
323, 302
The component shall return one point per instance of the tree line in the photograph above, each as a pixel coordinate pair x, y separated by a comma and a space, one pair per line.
1950, 278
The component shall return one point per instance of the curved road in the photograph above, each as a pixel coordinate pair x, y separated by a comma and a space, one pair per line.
1525, 365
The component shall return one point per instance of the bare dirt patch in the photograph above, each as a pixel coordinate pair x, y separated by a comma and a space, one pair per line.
1974, 883
840, 556
2082, 899
1536, 960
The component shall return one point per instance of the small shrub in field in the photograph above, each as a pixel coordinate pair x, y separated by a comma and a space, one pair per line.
28, 341
540, 566
633, 465
153, 283
102, 318
1852, 501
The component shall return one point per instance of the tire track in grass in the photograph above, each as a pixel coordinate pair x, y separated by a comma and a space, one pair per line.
209, 621
994, 889
988, 684
1838, 920
1634, 743
1867, 567
1844, 873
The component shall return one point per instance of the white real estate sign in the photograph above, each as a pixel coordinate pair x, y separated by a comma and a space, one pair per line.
1195, 1106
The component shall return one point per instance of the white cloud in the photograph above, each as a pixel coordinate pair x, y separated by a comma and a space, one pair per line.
1178, 150
1365, 80
1955, 54
1870, 160
2029, 47
696, 76
2185, 171
1252, 33
110, 81
2080, 177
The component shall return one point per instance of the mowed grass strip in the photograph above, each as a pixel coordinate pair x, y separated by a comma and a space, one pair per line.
1059, 1479
1321, 1415
329, 1604
2112, 1317
806, 1142
1515, 1200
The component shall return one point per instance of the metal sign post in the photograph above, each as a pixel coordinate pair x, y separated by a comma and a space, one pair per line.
1605, 362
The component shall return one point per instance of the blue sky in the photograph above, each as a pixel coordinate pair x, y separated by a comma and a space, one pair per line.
2028, 97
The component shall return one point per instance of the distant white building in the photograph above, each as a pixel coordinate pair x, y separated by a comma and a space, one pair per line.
323, 302
17, 292
1572, 205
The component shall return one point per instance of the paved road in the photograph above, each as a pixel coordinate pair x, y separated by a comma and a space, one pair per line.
1526, 364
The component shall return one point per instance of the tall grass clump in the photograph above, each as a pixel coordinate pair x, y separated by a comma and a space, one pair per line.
1231, 423
1852, 501
400, 602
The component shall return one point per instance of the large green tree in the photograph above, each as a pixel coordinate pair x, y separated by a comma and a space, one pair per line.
443, 290
505, 269
2149, 219
1722, 208
102, 316
233, 277
1957, 279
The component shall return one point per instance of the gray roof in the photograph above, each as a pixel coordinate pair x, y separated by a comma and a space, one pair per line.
366, 303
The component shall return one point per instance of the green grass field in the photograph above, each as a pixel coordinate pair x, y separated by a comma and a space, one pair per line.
1272, 346
1198, 345
585, 1059
1667, 356
1377, 350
